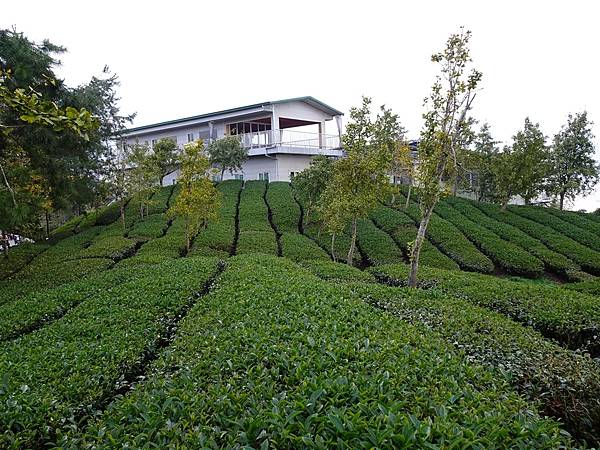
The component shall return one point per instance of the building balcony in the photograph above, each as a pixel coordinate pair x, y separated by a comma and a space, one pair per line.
290, 141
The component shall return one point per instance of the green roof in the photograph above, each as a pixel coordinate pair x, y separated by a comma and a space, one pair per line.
307, 99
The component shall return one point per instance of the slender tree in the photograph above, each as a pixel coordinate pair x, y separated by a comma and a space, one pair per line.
480, 162
227, 154
310, 184
198, 200
360, 178
447, 130
143, 174
164, 157
573, 170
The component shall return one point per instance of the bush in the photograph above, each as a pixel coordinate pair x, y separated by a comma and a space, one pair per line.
571, 318
153, 226
109, 214
541, 215
588, 259
253, 209
591, 287
113, 247
333, 271
257, 242
323, 239
512, 258
554, 262
566, 383
285, 209
378, 246
299, 248
159, 202
72, 366
18, 257
403, 231
324, 370
580, 219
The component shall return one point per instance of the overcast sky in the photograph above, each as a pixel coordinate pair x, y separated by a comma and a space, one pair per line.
176, 58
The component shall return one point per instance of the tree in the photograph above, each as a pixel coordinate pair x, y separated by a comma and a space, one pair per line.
142, 175
310, 184
479, 161
573, 170
198, 200
164, 157
447, 130
360, 178
402, 164
227, 153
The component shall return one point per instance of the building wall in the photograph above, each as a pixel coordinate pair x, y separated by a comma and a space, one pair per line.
300, 110
291, 163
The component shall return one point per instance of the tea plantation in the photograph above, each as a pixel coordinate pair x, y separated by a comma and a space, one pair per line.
257, 338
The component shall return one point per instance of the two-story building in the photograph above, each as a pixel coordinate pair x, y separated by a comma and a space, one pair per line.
281, 136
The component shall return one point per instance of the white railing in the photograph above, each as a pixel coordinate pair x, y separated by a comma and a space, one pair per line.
289, 138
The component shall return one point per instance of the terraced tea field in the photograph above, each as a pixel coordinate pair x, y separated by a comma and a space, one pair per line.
256, 338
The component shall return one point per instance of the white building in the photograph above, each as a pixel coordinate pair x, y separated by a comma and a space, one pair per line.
281, 136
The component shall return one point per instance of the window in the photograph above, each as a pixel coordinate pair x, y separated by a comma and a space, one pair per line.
153, 142
238, 176
190, 137
292, 175
263, 176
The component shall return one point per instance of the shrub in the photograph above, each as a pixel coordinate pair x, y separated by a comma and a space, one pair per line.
257, 242
554, 262
591, 287
566, 383
325, 370
512, 258
333, 271
72, 366
378, 246
159, 202
18, 257
298, 248
285, 210
323, 239
253, 210
153, 226
588, 259
582, 220
571, 318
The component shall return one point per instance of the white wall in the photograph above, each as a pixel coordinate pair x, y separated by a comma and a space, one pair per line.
300, 110
291, 163
254, 166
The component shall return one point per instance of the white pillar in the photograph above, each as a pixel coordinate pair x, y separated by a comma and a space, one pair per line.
275, 137
210, 131
322, 134
338, 122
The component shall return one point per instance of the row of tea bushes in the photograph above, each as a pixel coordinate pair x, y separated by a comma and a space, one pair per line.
377, 246
218, 238
570, 317
325, 370
286, 215
586, 258
541, 215
566, 383
581, 220
57, 377
18, 257
255, 232
510, 257
452, 242
403, 231
553, 261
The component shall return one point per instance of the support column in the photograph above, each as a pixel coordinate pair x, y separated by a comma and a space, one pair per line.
338, 122
322, 134
275, 136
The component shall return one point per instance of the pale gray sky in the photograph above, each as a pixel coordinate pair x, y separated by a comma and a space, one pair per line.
180, 58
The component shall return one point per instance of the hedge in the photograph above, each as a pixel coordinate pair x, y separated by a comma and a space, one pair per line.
276, 358
553, 261
160, 200
65, 372
18, 257
253, 215
341, 243
566, 383
452, 242
403, 231
109, 214
377, 245
170, 246
588, 259
570, 317
285, 210
334, 271
299, 248
580, 219
220, 234
510, 257
113, 247
68, 228
152, 226
257, 242
591, 287
541, 215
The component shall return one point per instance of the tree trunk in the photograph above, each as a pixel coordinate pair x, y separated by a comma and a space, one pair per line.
122, 208
394, 196
187, 235
416, 250
47, 225
349, 260
222, 173
4, 237
504, 204
408, 196
454, 186
562, 200
333, 247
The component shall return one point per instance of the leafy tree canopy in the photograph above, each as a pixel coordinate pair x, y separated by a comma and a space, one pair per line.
227, 153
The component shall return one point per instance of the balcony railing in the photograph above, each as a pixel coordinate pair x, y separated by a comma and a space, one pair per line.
289, 138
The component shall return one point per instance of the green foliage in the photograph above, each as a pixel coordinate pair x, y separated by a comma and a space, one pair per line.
573, 319
300, 248
253, 209
377, 246
18, 257
591, 287
573, 170
507, 255
480, 161
285, 210
566, 383
72, 365
227, 153
337, 373
113, 247
153, 226
553, 261
198, 200
257, 242
163, 159
310, 184
333, 271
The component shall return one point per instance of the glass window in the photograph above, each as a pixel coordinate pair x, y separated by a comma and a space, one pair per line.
190, 137
238, 176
